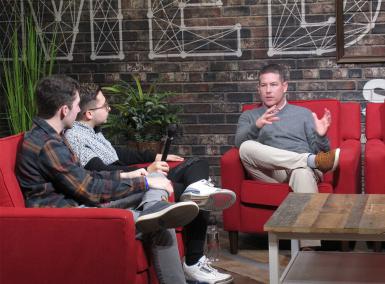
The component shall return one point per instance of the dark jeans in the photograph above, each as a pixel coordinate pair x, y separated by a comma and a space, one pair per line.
194, 232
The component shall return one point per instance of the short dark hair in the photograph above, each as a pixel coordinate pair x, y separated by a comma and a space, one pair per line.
53, 92
276, 69
88, 94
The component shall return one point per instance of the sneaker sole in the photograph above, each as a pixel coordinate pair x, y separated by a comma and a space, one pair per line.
191, 280
336, 159
179, 214
216, 201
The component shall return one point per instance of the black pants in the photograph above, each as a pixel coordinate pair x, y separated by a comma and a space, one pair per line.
195, 232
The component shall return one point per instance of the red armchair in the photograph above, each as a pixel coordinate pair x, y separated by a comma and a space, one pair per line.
256, 200
374, 155
55, 245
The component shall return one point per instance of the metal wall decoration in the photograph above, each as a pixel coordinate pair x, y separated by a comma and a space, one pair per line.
58, 21
357, 37
294, 27
106, 29
10, 21
172, 36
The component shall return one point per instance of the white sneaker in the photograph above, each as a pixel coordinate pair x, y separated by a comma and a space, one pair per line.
207, 196
203, 272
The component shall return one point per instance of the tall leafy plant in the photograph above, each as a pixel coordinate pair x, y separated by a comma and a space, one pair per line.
140, 115
21, 75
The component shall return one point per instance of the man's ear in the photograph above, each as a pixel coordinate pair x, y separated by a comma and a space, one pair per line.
285, 85
88, 115
64, 110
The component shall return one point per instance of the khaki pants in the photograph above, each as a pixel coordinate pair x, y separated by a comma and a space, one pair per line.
274, 165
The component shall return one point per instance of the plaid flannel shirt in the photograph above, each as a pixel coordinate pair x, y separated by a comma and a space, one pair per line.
50, 174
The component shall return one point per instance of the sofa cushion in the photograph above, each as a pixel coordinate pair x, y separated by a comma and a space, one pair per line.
271, 194
375, 113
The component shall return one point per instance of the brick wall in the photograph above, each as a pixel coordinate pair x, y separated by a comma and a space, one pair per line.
213, 87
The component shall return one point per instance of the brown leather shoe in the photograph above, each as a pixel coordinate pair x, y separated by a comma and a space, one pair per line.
327, 161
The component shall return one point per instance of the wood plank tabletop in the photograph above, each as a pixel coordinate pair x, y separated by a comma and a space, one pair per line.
329, 213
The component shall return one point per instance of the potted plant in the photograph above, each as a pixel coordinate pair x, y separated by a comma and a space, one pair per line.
140, 116
21, 74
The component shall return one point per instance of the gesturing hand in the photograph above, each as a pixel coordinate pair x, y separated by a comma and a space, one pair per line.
134, 174
322, 125
158, 166
268, 117
170, 158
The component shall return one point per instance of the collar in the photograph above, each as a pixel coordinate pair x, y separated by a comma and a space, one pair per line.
42, 124
280, 108
85, 126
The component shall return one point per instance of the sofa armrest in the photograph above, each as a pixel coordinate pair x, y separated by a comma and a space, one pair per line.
74, 245
347, 178
232, 171
374, 166
232, 175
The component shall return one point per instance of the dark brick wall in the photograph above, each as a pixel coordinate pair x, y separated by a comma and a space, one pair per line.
212, 89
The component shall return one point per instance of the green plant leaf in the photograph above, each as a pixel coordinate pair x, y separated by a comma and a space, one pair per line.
21, 75
140, 115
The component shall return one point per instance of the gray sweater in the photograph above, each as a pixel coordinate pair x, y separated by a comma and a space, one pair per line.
293, 132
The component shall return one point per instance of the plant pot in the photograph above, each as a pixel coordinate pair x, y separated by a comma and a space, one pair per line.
155, 146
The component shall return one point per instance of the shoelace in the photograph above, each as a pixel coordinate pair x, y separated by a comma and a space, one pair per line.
209, 182
206, 264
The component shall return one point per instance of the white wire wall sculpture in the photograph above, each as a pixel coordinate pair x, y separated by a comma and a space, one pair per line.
170, 36
10, 21
291, 33
170, 32
57, 21
106, 29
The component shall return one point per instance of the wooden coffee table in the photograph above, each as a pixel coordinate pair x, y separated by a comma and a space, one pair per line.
328, 217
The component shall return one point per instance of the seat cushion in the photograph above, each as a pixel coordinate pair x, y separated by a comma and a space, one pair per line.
271, 194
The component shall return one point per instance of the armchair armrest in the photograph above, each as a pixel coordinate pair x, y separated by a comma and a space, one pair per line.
374, 166
232, 171
347, 178
74, 245
233, 175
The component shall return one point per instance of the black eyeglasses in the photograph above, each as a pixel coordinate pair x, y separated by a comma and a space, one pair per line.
105, 105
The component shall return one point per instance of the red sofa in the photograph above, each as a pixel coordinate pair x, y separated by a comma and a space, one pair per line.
374, 155
256, 200
57, 245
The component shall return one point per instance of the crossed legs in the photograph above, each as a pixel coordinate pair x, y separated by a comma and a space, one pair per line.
274, 165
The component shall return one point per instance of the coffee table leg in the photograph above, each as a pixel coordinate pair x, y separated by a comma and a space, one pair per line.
294, 247
273, 259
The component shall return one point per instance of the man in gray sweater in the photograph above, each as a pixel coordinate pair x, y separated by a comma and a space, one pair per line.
284, 143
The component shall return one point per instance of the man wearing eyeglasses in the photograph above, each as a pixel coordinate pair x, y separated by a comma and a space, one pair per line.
95, 152
50, 175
